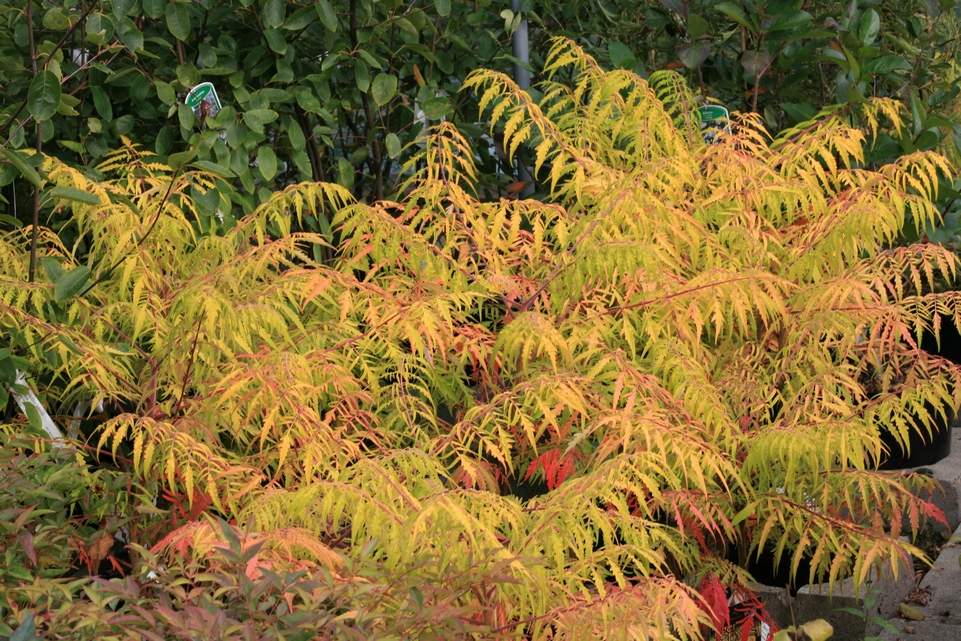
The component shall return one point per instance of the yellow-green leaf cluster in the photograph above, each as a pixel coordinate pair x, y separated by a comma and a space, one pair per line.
694, 348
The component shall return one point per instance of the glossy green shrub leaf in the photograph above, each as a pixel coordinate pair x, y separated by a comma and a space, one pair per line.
693, 54
267, 162
153, 8
799, 112
869, 27
276, 41
756, 62
52, 267
296, 136
102, 102
165, 92
383, 89
301, 19
697, 26
123, 125
188, 75
927, 140
74, 195
123, 8
437, 108
185, 115
326, 14
130, 35
885, 64
18, 161
392, 142
56, 19
176, 161
33, 417
178, 20
621, 55
8, 373
307, 100
345, 172
274, 13
736, 13
790, 20
71, 283
362, 75
43, 100
214, 168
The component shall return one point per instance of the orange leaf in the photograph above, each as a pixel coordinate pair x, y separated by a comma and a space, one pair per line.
99, 550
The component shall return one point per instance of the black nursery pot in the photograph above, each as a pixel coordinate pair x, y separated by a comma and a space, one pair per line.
766, 572
924, 448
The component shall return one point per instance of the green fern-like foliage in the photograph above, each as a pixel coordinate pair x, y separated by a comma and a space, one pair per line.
678, 342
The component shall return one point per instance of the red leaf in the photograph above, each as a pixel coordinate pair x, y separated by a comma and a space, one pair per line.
117, 565
750, 612
26, 543
532, 468
932, 511
556, 469
715, 600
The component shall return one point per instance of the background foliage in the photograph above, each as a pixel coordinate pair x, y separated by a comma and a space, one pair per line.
316, 91
338, 91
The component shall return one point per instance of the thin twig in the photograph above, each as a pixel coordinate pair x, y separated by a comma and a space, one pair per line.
190, 364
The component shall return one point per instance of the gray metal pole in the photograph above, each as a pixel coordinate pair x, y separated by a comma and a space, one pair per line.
520, 46
521, 49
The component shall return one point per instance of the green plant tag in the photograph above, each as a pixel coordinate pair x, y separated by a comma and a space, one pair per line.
714, 118
204, 101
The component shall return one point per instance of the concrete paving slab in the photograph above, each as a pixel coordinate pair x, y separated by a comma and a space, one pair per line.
817, 602
922, 631
942, 612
